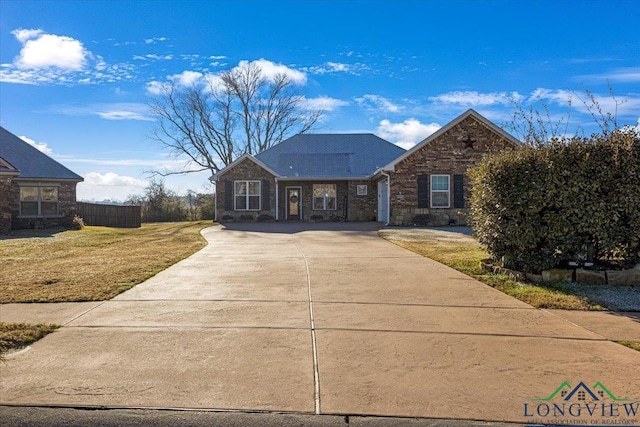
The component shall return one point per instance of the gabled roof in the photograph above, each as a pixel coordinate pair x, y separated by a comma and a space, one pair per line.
7, 168
469, 113
239, 160
336, 156
31, 162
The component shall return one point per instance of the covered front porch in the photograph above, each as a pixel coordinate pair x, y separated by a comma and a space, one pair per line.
326, 200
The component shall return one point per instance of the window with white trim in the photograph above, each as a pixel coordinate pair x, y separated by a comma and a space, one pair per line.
440, 190
247, 195
39, 200
324, 197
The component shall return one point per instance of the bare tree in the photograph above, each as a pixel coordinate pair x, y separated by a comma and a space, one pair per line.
536, 125
239, 111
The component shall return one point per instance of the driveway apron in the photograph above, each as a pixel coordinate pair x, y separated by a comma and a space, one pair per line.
315, 318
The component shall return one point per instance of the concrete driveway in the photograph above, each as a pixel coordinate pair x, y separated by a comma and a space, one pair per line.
325, 319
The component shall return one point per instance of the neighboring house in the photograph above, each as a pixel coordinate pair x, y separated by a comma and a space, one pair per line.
360, 177
35, 190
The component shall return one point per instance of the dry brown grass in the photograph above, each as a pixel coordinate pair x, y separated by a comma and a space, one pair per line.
18, 335
93, 264
464, 254
635, 345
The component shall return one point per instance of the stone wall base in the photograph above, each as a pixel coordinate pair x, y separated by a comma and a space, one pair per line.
415, 217
579, 275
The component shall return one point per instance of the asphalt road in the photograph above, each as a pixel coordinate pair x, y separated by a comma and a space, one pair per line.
73, 417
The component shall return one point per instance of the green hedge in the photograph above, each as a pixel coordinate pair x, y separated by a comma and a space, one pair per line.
536, 208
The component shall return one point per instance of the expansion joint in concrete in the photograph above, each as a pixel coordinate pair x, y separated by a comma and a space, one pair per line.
316, 377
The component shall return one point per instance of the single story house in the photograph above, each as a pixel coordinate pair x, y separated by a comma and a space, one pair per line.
360, 177
35, 190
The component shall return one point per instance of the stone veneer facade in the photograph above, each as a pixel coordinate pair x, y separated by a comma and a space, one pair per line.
245, 170
5, 204
448, 154
67, 207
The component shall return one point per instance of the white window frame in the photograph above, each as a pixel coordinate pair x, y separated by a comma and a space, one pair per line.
247, 195
324, 198
39, 187
362, 189
447, 191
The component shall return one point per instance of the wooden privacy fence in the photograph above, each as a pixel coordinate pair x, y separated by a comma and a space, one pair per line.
110, 215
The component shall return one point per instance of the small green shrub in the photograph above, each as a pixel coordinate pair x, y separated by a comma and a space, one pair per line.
246, 217
265, 217
536, 208
227, 217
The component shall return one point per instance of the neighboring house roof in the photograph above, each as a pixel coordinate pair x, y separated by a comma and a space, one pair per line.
343, 156
31, 162
7, 168
470, 112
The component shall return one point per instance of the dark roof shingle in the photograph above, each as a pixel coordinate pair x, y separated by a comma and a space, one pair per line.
31, 162
330, 155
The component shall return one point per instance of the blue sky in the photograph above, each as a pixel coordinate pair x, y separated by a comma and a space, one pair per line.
75, 76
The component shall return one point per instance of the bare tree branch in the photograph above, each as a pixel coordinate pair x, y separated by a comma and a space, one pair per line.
240, 111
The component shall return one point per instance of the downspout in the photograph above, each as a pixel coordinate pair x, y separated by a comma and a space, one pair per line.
277, 210
215, 203
213, 180
388, 196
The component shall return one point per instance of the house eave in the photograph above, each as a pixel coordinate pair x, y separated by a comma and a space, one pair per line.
390, 167
46, 179
324, 178
216, 177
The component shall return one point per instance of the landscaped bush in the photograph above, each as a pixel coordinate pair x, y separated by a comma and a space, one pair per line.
536, 208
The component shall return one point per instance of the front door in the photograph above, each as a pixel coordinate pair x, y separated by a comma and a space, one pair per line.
294, 200
383, 196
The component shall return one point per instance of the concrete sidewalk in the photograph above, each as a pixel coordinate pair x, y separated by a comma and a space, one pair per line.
327, 320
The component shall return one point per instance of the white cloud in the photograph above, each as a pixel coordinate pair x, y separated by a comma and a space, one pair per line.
407, 133
111, 179
23, 35
42, 146
271, 69
628, 105
212, 81
115, 111
378, 103
324, 103
336, 67
186, 78
49, 50
109, 186
473, 98
618, 75
159, 57
155, 39
156, 88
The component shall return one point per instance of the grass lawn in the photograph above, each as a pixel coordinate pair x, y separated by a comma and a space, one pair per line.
93, 264
17, 335
631, 344
464, 254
